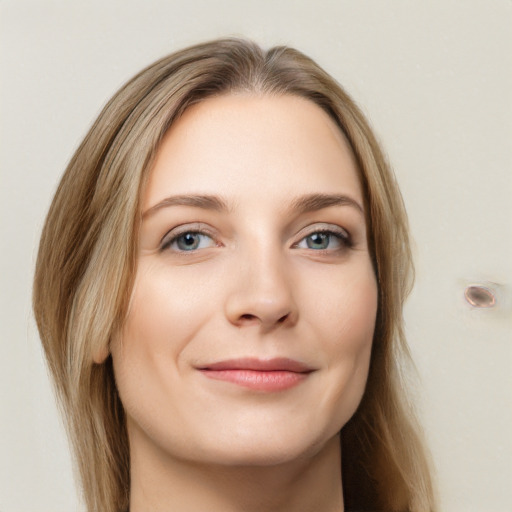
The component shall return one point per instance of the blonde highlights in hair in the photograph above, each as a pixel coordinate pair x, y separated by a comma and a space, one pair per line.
87, 257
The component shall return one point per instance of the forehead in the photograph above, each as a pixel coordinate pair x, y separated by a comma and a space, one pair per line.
244, 144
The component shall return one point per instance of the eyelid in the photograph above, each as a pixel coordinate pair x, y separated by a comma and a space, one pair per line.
194, 227
323, 227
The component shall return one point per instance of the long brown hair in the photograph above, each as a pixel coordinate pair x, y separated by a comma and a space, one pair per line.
87, 256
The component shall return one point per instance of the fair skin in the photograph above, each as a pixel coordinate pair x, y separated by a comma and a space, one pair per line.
247, 341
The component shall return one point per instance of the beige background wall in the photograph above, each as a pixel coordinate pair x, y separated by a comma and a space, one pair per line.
434, 77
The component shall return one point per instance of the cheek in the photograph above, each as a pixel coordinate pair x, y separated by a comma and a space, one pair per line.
346, 320
347, 310
164, 315
165, 311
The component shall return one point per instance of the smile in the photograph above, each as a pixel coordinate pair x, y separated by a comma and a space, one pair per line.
261, 375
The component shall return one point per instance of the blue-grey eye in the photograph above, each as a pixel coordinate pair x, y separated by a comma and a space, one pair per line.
190, 241
318, 241
321, 240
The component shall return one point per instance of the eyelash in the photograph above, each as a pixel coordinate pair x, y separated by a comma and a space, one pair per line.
166, 242
342, 236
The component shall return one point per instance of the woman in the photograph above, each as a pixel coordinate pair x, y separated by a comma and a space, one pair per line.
219, 292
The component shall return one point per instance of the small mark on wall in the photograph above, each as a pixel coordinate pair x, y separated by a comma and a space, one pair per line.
479, 296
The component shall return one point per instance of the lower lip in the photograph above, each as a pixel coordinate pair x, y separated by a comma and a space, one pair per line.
278, 380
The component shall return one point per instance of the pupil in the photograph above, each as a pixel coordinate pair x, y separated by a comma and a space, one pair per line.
319, 240
188, 241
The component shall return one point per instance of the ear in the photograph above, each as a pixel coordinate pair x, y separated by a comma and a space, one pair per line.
100, 354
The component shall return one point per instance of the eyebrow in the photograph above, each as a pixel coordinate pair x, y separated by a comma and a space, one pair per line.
206, 202
313, 202
300, 205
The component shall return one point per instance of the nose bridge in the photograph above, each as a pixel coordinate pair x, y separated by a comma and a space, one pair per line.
263, 291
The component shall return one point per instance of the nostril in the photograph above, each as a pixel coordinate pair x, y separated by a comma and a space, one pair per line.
248, 318
283, 318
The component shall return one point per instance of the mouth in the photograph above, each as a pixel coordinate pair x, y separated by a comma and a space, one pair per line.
269, 375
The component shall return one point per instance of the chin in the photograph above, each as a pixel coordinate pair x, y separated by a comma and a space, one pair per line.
265, 447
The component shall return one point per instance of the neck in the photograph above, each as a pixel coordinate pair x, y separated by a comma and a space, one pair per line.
163, 484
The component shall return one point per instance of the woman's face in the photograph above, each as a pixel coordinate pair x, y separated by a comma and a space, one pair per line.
249, 331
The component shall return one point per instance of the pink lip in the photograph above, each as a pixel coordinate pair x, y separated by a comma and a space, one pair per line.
276, 374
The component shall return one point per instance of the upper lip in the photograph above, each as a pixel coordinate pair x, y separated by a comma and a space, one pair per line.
255, 364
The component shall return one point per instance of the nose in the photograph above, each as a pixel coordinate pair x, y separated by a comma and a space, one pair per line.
262, 294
